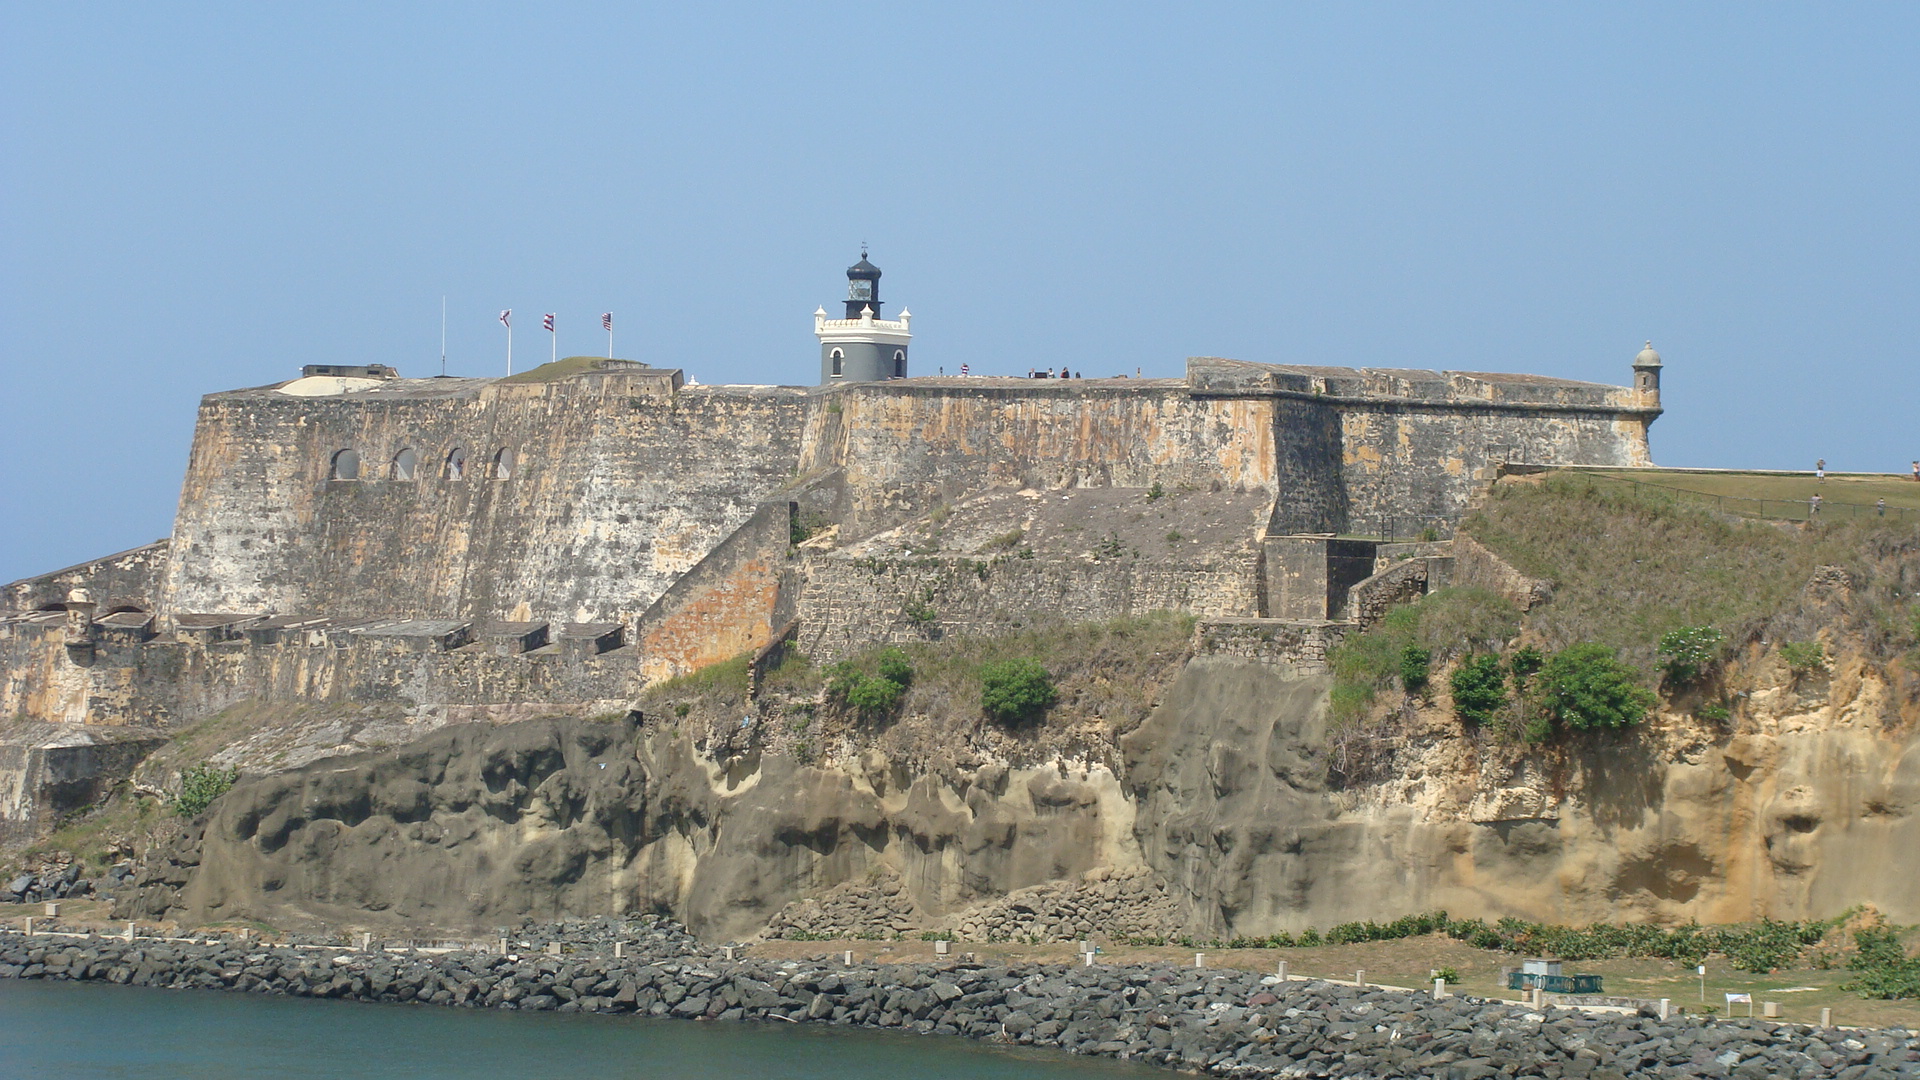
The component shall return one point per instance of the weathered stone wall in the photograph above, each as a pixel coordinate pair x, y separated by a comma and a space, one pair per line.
913, 444
620, 484
158, 683
130, 579
1297, 644
850, 602
729, 604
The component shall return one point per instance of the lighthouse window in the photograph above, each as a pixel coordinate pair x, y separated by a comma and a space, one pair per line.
346, 466
836, 356
899, 364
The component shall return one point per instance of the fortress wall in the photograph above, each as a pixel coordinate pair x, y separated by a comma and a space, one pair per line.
1408, 466
851, 603
163, 682
911, 445
130, 579
729, 604
620, 485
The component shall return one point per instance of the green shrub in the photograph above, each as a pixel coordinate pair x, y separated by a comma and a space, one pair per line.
1016, 690
1479, 689
1451, 975
872, 695
1416, 668
1885, 971
1714, 712
1802, 657
201, 785
1586, 686
893, 664
1689, 652
1525, 664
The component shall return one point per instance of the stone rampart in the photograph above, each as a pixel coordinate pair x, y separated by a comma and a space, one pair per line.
610, 489
851, 602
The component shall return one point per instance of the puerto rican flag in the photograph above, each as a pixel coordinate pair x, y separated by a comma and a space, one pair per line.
963, 369
606, 321
548, 322
506, 318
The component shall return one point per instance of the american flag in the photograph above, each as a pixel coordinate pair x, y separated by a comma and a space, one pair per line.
506, 318
606, 321
548, 321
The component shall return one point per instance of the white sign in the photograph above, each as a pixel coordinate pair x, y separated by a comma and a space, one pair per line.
1703, 969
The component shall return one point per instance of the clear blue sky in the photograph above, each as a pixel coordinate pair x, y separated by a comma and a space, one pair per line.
197, 197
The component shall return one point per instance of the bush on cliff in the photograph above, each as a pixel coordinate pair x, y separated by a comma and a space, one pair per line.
1016, 690
874, 694
202, 784
1688, 653
1479, 689
1586, 686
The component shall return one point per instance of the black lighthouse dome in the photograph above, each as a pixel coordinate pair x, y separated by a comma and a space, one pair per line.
863, 287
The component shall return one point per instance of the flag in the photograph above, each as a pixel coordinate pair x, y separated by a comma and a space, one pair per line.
963, 369
548, 321
606, 321
506, 318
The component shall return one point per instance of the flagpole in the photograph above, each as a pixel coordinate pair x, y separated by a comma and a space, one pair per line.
509, 348
553, 345
443, 335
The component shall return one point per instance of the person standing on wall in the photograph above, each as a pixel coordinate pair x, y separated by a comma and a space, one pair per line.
1820, 470
1916, 471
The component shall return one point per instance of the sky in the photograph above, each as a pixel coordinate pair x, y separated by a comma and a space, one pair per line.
199, 197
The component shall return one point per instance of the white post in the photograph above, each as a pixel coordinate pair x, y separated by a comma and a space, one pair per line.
503, 946
1360, 977
1666, 1008
553, 948
1439, 989
129, 931
619, 950
942, 948
1088, 957
29, 925
846, 958
1282, 972
1826, 1018
730, 955
366, 941
1199, 960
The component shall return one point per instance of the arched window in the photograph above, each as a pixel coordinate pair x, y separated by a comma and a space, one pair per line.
836, 356
346, 466
899, 363
405, 464
503, 464
456, 463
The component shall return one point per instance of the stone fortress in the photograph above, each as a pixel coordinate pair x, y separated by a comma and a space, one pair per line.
557, 540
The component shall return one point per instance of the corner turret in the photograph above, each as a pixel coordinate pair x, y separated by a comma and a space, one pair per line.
1646, 377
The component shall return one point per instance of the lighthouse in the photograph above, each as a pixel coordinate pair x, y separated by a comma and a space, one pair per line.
863, 347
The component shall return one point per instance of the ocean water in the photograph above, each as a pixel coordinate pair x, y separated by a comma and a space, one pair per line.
85, 1031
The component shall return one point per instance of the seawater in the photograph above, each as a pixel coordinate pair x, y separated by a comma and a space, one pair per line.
94, 1031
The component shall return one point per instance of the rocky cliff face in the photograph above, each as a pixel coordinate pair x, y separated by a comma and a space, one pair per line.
1215, 818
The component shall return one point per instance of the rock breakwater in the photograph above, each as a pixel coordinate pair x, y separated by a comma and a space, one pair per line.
1226, 1023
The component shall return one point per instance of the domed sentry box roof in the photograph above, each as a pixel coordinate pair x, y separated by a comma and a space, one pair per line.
1647, 357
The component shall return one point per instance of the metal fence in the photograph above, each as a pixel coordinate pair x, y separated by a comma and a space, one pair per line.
1771, 509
